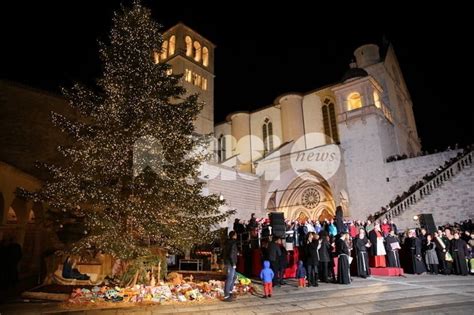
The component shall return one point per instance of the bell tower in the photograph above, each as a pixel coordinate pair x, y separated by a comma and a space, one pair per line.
367, 132
192, 55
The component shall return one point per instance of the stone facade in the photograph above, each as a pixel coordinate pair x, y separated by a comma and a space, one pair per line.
304, 154
368, 115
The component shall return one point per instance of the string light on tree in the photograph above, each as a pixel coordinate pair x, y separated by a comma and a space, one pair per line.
121, 210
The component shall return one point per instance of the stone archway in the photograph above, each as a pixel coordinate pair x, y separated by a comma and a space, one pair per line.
310, 194
32, 217
33, 238
35, 214
325, 215
17, 218
12, 216
302, 215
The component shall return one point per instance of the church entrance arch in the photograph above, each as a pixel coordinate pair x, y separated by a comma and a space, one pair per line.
302, 216
325, 215
307, 195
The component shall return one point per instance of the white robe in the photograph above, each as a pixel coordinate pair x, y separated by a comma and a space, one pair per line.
380, 247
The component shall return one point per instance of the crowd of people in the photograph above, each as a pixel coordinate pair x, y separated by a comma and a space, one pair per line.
354, 247
421, 182
399, 157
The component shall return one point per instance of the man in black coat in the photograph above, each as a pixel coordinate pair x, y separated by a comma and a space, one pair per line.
283, 262
312, 258
274, 254
417, 265
339, 220
230, 260
325, 256
458, 249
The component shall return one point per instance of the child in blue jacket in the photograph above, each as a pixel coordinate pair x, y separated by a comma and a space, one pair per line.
301, 274
267, 277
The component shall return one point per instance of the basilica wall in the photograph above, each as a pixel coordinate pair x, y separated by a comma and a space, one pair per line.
258, 119
313, 119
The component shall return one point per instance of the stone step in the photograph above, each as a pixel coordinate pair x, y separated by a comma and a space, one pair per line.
373, 295
323, 299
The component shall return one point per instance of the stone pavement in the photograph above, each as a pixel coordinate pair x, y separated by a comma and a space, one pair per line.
425, 294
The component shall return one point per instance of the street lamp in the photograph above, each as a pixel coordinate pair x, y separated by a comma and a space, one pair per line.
415, 218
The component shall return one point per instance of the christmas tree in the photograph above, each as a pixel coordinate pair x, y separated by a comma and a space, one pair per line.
131, 172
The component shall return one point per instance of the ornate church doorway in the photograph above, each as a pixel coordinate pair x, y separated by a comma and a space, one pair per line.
307, 196
303, 217
325, 215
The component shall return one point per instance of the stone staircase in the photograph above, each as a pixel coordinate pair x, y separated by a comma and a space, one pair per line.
445, 185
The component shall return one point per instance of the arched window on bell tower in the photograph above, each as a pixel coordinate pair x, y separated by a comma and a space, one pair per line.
267, 131
189, 46
172, 45
197, 51
329, 120
164, 50
156, 57
205, 56
354, 101
377, 99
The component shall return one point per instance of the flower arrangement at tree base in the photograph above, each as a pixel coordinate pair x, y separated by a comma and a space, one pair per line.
161, 293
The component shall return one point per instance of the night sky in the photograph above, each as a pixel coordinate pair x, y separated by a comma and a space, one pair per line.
261, 53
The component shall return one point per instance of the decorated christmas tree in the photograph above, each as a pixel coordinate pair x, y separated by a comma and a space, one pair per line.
130, 177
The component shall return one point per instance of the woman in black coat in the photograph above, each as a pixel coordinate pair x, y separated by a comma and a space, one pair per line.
324, 257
